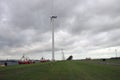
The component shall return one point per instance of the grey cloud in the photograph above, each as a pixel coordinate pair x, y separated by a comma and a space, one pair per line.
87, 24
97, 12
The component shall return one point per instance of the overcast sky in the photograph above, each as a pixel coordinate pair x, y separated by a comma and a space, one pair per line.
83, 28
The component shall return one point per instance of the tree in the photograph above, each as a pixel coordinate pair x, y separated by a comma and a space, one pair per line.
70, 57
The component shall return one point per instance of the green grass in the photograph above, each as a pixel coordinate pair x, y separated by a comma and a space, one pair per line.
67, 70
117, 61
109, 61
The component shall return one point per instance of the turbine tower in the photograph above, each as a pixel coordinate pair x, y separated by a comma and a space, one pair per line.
52, 24
116, 52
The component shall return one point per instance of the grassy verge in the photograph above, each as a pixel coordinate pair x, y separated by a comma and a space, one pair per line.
67, 70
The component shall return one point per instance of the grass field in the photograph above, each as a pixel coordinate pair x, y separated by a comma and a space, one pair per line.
67, 70
107, 61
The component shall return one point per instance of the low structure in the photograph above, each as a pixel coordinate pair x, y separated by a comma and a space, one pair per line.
43, 60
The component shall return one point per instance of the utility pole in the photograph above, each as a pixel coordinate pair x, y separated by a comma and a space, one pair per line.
52, 24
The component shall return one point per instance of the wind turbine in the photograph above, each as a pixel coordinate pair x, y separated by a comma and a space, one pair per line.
52, 18
63, 57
